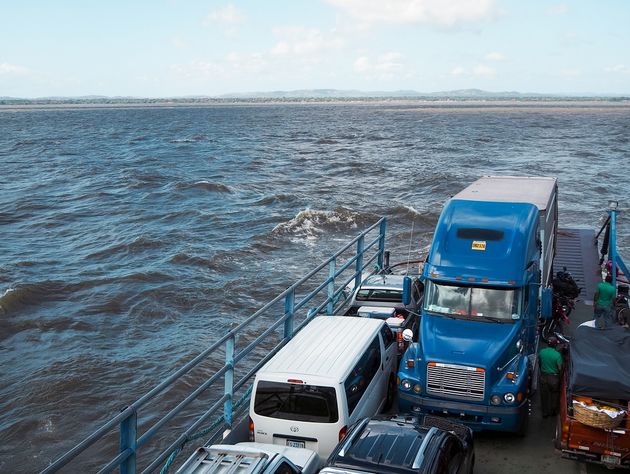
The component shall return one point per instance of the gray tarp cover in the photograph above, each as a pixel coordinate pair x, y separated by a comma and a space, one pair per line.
600, 363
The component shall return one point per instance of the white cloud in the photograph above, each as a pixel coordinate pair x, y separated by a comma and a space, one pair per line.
7, 69
458, 71
559, 9
384, 67
301, 41
484, 71
618, 69
495, 56
178, 42
443, 13
570, 73
228, 15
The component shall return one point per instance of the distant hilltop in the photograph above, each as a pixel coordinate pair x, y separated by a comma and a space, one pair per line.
404, 94
313, 95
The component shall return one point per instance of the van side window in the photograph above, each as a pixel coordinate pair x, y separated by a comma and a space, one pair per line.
388, 336
362, 374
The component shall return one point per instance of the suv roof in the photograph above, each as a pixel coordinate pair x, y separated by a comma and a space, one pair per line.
383, 281
396, 444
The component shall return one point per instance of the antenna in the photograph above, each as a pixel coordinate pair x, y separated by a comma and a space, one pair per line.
409, 253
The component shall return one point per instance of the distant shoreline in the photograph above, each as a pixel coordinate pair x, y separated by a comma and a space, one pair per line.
415, 103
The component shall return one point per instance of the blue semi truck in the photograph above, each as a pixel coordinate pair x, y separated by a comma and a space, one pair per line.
488, 282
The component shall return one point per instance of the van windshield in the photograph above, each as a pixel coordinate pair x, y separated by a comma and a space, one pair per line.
471, 302
298, 402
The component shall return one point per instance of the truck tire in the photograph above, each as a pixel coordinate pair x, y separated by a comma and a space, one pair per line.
524, 424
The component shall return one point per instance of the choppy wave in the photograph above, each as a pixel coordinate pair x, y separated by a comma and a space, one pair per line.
139, 244
26, 294
309, 223
206, 186
276, 198
131, 238
193, 139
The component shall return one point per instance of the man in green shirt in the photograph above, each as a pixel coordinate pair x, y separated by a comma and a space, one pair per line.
603, 302
550, 366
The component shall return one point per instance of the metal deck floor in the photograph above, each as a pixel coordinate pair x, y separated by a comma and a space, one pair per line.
577, 251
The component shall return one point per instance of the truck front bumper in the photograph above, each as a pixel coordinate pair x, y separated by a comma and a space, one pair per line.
477, 417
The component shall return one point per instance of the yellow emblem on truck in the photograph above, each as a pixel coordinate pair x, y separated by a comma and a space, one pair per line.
479, 245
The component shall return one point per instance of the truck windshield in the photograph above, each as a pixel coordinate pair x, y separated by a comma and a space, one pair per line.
472, 302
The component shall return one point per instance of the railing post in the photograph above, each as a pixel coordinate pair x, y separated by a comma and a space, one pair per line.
229, 380
359, 262
381, 243
330, 306
612, 248
289, 309
128, 440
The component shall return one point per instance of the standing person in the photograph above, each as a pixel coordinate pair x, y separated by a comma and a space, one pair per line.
603, 300
550, 366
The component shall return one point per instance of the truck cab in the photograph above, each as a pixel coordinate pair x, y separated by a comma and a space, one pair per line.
476, 355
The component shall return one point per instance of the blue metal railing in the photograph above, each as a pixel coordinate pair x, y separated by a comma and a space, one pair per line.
345, 267
609, 247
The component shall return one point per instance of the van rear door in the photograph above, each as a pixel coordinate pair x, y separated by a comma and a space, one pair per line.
297, 414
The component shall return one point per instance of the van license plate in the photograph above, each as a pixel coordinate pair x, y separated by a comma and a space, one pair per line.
295, 444
610, 459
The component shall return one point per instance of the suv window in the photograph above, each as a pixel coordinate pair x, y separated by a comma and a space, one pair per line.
450, 457
285, 468
388, 336
379, 294
362, 374
290, 401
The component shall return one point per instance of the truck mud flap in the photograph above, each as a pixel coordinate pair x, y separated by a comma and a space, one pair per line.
533, 363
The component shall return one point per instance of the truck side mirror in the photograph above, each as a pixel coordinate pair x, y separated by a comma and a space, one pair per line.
407, 335
406, 296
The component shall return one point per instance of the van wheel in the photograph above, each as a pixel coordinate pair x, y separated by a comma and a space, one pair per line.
391, 392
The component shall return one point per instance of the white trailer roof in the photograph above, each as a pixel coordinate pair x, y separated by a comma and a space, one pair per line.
531, 189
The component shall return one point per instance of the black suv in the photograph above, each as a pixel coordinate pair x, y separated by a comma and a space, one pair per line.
404, 444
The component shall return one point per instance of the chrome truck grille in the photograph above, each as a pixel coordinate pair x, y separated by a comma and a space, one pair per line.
457, 381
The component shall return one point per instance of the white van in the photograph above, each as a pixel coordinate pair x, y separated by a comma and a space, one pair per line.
335, 371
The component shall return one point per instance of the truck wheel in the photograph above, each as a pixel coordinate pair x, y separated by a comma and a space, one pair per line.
522, 427
391, 393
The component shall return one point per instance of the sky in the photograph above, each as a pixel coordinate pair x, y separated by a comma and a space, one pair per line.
175, 48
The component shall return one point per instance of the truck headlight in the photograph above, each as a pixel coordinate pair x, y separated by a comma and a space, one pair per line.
417, 388
509, 397
495, 400
405, 384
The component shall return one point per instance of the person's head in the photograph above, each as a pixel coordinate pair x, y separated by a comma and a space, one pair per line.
552, 341
609, 278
